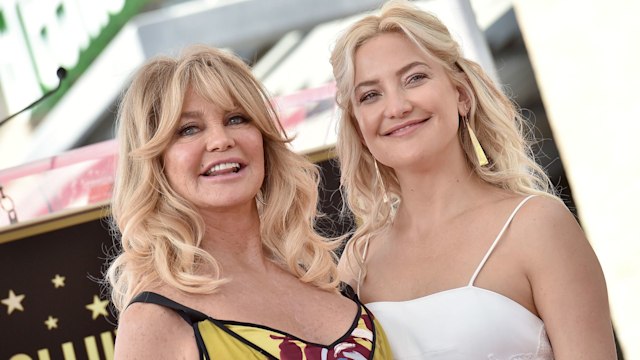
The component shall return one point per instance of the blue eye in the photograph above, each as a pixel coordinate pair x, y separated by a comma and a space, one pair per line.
237, 120
368, 96
188, 130
416, 77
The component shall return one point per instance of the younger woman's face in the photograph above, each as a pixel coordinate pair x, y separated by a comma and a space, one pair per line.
405, 105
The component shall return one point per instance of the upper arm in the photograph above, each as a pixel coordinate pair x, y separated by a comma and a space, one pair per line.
148, 331
567, 282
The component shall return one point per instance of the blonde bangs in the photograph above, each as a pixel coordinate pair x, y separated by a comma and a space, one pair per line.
160, 231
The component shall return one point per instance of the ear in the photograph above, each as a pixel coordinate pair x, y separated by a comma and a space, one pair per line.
464, 101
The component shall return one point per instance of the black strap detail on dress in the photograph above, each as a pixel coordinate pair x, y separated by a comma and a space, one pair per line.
348, 292
373, 330
221, 325
202, 349
191, 316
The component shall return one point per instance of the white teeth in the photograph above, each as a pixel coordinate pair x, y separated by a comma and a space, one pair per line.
223, 166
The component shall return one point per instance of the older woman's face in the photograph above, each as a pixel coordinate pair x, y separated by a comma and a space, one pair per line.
215, 159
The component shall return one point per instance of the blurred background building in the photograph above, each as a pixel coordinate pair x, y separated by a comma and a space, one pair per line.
570, 64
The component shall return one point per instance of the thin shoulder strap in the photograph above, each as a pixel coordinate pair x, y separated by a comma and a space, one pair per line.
364, 258
495, 242
191, 316
188, 314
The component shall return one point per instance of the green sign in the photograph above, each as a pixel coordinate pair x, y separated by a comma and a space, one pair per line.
47, 34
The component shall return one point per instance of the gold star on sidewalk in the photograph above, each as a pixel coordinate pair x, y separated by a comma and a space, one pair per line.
13, 302
52, 323
58, 281
98, 307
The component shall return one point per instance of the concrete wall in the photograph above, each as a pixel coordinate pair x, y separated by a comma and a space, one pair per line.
585, 56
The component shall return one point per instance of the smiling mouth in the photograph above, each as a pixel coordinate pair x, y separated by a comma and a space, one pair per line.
223, 169
401, 129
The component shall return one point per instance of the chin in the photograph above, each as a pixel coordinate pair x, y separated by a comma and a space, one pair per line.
227, 204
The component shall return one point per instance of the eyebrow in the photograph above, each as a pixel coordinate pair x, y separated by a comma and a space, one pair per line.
400, 71
191, 115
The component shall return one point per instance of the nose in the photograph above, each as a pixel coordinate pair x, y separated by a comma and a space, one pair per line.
397, 105
219, 139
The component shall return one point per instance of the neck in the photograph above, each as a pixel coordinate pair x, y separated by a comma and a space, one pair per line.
233, 238
434, 195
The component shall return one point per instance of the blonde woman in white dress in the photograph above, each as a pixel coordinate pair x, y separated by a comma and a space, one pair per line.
463, 250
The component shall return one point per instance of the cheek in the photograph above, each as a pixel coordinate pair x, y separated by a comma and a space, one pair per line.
360, 122
255, 143
178, 160
255, 138
169, 169
364, 130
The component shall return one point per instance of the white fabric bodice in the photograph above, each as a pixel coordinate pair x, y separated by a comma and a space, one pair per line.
465, 323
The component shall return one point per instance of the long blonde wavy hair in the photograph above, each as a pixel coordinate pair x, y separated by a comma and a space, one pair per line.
500, 127
160, 231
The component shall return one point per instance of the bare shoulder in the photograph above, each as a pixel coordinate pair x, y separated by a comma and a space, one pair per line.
549, 234
566, 279
545, 208
150, 331
546, 224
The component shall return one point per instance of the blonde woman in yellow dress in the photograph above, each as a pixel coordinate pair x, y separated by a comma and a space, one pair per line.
463, 250
219, 257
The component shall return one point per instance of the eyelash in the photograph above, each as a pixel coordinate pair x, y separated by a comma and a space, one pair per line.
243, 119
416, 77
183, 130
192, 129
367, 96
411, 79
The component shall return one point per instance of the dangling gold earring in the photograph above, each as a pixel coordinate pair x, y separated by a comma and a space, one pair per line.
480, 155
385, 198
